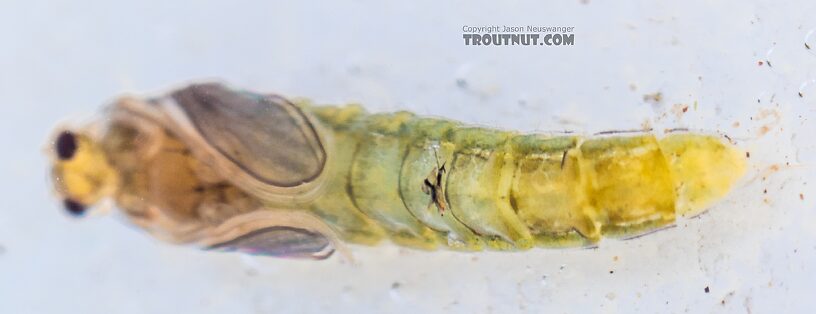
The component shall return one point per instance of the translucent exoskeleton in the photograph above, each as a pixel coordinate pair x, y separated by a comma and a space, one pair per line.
240, 171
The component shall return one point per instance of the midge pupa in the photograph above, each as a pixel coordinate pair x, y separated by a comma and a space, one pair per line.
240, 171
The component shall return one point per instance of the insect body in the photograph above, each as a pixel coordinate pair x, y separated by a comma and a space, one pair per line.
240, 171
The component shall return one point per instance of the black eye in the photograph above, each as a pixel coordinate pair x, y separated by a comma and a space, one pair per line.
66, 145
74, 207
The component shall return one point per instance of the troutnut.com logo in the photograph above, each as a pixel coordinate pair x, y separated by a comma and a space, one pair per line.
495, 35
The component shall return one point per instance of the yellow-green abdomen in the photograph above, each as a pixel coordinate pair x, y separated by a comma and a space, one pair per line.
508, 191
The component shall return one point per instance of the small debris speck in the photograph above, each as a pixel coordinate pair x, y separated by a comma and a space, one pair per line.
655, 98
801, 196
611, 271
747, 154
801, 95
461, 83
707, 290
807, 46
395, 285
760, 63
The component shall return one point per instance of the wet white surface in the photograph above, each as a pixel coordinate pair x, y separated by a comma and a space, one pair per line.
755, 251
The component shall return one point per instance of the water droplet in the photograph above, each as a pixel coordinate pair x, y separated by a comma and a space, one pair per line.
394, 291
769, 57
810, 41
808, 89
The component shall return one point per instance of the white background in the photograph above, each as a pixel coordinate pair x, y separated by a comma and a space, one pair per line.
62, 60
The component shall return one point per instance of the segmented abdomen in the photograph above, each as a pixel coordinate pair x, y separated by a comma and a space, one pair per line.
506, 190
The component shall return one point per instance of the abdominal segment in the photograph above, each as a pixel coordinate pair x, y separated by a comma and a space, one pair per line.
510, 191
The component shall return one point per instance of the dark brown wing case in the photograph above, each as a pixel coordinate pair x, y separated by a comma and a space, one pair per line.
267, 136
279, 241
